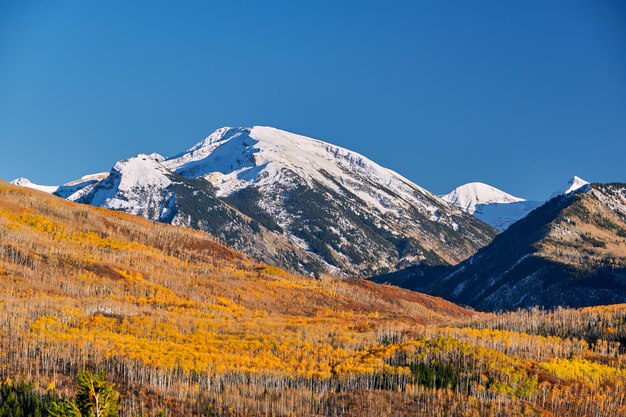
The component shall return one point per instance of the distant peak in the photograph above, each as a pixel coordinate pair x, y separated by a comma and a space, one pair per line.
25, 182
573, 184
21, 181
468, 196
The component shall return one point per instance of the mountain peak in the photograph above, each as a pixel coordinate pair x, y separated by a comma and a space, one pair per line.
302, 203
468, 196
157, 157
25, 182
574, 183
235, 158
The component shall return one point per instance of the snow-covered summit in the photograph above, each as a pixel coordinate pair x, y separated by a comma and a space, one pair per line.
497, 208
25, 182
469, 195
325, 197
489, 204
235, 158
575, 183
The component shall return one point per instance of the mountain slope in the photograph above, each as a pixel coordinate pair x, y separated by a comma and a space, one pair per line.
142, 186
503, 215
298, 202
571, 252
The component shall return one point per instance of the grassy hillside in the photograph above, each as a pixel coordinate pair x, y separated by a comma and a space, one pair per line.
187, 327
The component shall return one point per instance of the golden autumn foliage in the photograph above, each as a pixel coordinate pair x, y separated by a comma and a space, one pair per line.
189, 327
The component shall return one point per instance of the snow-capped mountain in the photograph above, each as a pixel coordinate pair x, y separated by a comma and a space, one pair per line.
64, 190
271, 159
298, 202
570, 251
574, 184
25, 182
330, 200
497, 208
469, 195
489, 204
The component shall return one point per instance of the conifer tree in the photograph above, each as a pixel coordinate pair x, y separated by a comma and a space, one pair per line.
95, 397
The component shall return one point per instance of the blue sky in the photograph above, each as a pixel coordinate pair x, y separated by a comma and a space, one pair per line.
520, 95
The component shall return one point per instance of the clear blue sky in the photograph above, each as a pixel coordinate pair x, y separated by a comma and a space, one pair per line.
521, 95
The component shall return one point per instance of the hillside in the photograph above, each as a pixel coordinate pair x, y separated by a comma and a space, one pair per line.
569, 252
121, 290
187, 327
306, 205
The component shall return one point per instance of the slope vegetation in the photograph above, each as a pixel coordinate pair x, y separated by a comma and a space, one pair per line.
185, 326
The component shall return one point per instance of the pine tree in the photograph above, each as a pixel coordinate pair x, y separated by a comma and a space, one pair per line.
95, 397
63, 408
